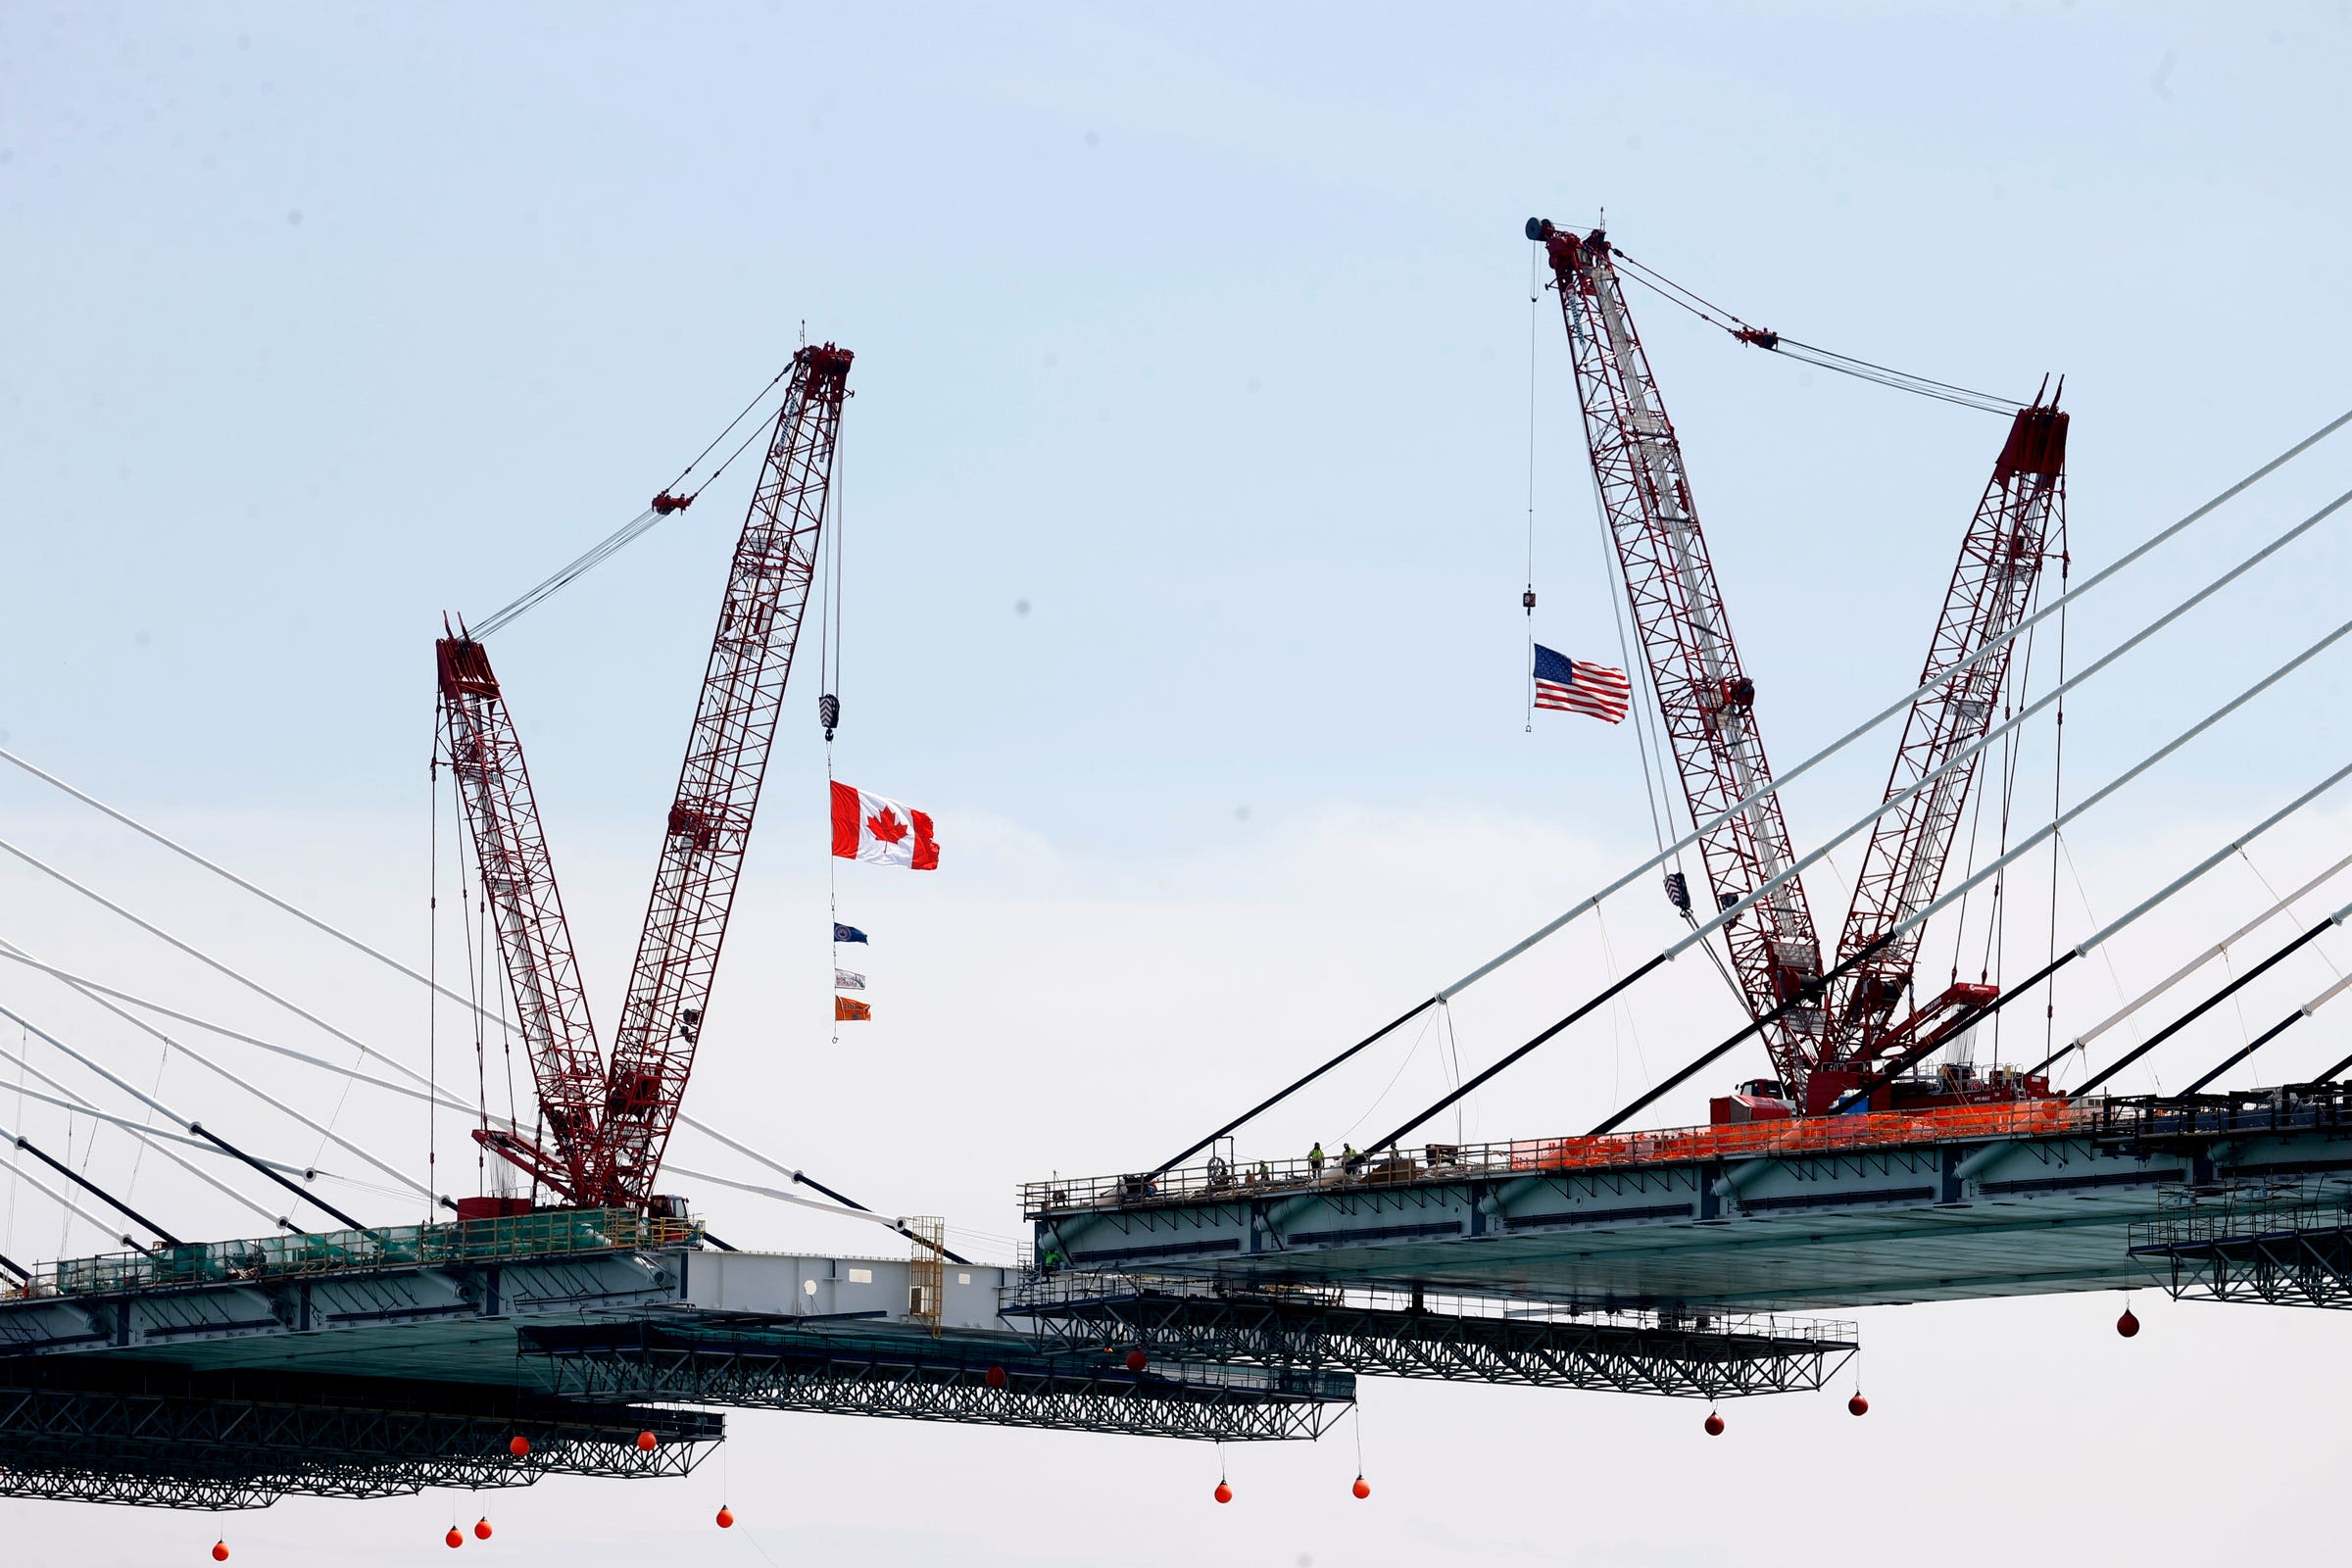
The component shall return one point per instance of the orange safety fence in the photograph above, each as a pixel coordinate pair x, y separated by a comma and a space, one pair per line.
1801, 1134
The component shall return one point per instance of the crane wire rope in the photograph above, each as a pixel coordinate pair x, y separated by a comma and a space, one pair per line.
1527, 600
2097, 579
828, 703
2049, 1007
1810, 352
628, 532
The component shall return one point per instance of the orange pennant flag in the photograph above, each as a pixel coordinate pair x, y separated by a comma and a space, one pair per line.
847, 1011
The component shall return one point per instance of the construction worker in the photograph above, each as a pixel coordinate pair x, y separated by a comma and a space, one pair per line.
1350, 1160
1315, 1160
1265, 1175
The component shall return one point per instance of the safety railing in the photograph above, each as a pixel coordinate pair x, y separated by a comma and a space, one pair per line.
1242, 1179
1074, 1293
2191, 1216
2287, 1108
547, 1233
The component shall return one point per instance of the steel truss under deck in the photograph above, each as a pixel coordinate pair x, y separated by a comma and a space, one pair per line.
1408, 1335
1003, 1380
163, 1437
2287, 1244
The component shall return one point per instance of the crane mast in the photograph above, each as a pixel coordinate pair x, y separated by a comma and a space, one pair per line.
709, 819
1706, 700
518, 882
2000, 561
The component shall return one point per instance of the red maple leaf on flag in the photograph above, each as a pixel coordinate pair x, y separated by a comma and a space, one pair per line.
887, 827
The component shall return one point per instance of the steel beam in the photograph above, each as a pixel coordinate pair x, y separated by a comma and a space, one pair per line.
1004, 1381
1534, 1344
165, 1437
2278, 1245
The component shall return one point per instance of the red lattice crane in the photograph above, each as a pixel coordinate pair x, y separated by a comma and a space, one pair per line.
1829, 1039
2001, 557
518, 882
1705, 697
606, 1128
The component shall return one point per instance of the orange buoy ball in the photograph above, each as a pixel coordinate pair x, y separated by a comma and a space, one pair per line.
1223, 1494
2129, 1324
1362, 1487
1136, 1360
456, 1537
518, 1445
219, 1551
1857, 1405
481, 1529
1714, 1424
646, 1442
994, 1377
726, 1518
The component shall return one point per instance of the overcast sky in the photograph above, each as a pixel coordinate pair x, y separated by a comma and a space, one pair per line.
1186, 500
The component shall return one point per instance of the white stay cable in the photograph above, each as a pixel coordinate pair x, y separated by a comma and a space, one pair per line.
145, 1099
2053, 695
94, 989
886, 1221
2201, 960
1904, 703
208, 962
156, 1138
220, 870
106, 1227
1901, 704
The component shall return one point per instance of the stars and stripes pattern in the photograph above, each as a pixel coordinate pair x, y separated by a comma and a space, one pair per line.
1578, 686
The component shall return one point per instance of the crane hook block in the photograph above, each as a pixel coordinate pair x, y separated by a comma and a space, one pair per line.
666, 502
828, 713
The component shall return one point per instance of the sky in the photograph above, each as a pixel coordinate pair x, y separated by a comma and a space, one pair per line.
1204, 437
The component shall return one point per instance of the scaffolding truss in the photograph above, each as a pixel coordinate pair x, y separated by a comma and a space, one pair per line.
166, 1438
995, 1380
2280, 1244
1407, 1333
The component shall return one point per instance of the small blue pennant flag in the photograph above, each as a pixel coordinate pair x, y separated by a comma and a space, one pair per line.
847, 932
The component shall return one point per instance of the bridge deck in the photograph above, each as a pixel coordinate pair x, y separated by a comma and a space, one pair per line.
1772, 1216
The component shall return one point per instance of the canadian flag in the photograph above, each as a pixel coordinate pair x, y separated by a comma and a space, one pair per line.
868, 827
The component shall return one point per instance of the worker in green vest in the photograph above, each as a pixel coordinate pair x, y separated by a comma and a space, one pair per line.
1314, 1158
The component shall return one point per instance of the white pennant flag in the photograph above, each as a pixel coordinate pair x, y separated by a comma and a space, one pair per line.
846, 980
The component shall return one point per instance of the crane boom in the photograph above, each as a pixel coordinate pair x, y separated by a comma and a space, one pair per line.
2000, 561
519, 880
718, 786
1706, 700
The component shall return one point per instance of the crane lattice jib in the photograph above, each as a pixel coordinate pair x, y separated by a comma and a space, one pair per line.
718, 787
1706, 700
2000, 561
510, 847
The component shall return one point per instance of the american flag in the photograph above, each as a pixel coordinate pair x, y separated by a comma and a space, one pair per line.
1580, 686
